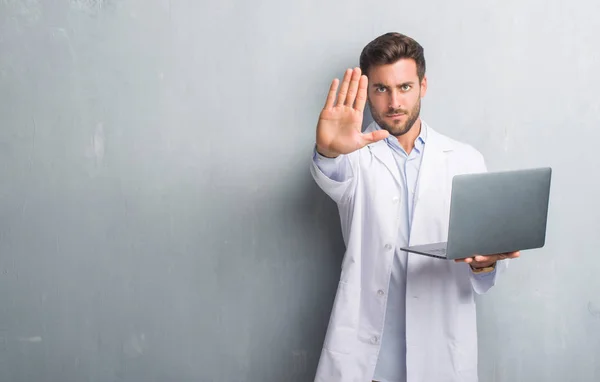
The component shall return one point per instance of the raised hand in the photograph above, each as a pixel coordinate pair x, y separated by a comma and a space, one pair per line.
340, 122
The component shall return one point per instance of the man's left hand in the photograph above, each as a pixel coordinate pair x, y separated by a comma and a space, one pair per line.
480, 261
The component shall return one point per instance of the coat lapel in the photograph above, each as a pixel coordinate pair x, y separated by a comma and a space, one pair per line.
383, 153
433, 164
432, 175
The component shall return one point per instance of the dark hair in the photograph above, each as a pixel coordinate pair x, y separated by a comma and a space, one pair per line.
389, 48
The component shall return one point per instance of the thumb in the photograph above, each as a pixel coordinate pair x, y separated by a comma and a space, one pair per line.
375, 136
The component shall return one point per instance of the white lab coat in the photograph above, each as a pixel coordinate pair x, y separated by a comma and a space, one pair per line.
441, 334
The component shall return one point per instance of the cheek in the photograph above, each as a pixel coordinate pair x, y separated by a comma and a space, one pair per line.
379, 104
413, 102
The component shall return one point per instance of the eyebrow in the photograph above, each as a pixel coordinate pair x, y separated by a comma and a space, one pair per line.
380, 85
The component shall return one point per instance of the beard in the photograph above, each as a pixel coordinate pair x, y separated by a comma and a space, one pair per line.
397, 128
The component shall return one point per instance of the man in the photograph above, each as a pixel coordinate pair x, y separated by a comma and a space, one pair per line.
396, 316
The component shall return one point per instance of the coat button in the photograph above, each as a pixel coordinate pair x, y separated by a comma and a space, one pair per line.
395, 199
388, 246
380, 292
374, 339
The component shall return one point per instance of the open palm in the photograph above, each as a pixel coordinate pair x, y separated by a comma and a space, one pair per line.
340, 123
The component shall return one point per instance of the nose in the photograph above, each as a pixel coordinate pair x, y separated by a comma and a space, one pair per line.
395, 101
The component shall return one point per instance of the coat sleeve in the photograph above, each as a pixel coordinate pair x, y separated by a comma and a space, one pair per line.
335, 176
483, 282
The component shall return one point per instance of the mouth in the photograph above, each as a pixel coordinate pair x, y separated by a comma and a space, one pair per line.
396, 116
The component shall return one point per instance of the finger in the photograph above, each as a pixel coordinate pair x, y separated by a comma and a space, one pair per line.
344, 88
361, 96
331, 95
510, 255
503, 256
353, 87
374, 136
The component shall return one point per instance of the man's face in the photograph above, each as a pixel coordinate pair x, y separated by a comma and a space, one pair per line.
395, 94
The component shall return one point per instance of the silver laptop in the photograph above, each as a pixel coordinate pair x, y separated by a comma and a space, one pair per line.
494, 212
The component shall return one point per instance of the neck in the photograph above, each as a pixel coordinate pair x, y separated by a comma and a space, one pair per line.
407, 141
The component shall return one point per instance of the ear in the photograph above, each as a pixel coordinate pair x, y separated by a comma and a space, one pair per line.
423, 86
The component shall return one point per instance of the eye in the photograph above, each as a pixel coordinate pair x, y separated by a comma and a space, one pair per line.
380, 89
405, 88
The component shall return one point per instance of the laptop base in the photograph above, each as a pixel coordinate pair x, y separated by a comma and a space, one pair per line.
437, 250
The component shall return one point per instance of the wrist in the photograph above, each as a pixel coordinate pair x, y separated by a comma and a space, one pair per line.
326, 153
483, 269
